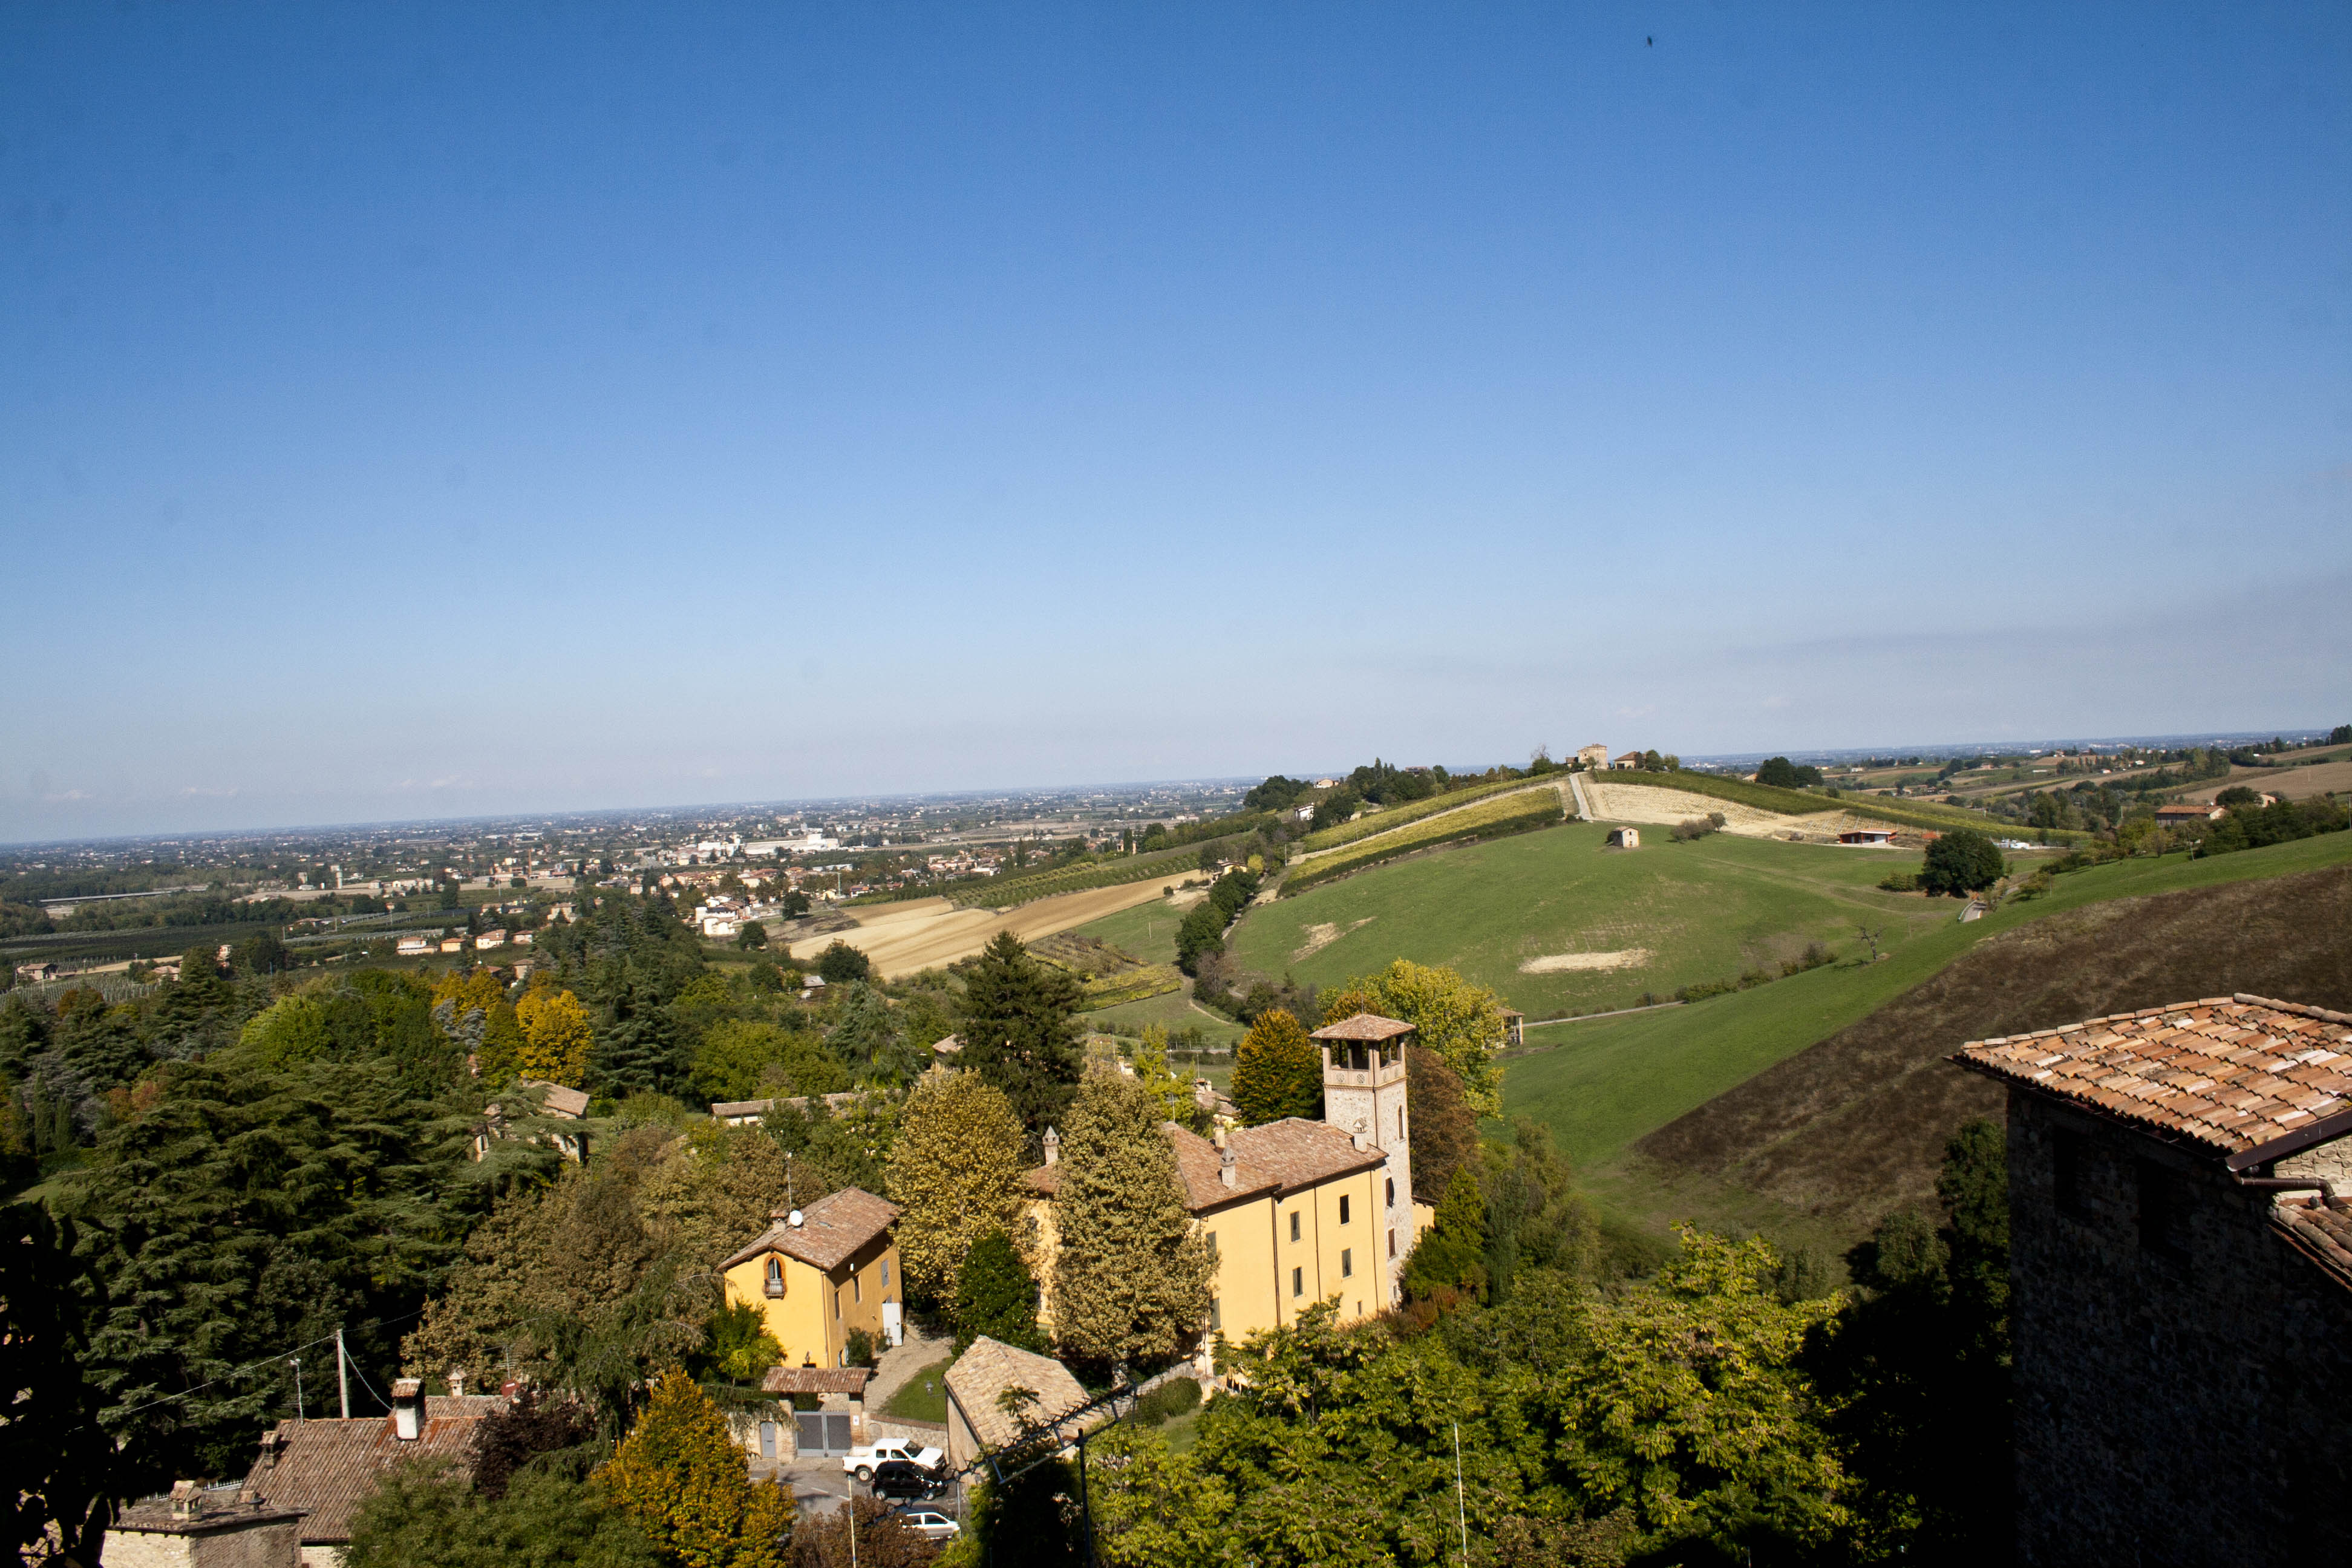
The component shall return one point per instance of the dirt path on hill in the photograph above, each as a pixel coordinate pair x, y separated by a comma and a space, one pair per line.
924, 934
1650, 803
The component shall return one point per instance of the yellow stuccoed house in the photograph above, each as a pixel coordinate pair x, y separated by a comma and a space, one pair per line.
1294, 1211
818, 1273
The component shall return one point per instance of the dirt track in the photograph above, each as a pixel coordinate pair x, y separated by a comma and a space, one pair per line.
924, 934
1650, 803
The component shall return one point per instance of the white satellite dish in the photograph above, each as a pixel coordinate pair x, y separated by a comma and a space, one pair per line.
793, 1219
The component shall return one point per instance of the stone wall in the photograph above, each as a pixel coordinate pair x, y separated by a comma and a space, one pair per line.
2183, 1395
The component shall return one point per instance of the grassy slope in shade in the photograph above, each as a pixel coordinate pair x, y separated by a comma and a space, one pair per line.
1147, 930
1603, 1085
1172, 1011
1705, 911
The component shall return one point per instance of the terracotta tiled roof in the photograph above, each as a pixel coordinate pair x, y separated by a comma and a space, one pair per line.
1368, 1027
991, 1366
569, 1103
849, 1380
154, 1516
831, 1230
328, 1468
1295, 1152
2320, 1231
1279, 1157
2234, 1075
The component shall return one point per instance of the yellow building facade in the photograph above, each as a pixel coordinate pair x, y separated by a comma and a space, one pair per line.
817, 1274
1294, 1211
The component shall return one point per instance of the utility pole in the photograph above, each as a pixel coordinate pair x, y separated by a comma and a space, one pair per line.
296, 1362
1461, 1512
342, 1373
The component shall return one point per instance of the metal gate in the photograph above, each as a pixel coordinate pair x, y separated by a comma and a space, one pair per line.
821, 1432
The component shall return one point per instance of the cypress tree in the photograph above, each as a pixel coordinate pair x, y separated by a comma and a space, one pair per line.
996, 1296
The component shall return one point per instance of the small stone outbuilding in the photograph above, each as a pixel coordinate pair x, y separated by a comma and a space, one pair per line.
977, 1383
2181, 1276
1624, 838
195, 1528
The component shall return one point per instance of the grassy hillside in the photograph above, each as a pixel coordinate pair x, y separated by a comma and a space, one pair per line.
1147, 930
1801, 802
1848, 1126
1601, 1086
1172, 1012
1705, 911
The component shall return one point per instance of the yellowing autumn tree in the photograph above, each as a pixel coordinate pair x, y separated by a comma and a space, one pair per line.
556, 1038
1461, 1022
681, 1477
955, 1174
1152, 1071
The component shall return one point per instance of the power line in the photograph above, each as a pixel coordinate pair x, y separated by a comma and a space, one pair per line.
265, 1360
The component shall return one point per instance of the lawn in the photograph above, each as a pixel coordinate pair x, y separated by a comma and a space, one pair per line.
915, 1402
1172, 1012
1147, 930
1600, 1085
1684, 912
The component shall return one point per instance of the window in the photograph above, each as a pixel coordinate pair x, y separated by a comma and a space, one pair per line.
2069, 1153
1391, 1199
1216, 1314
1299, 1282
1347, 1263
1391, 1241
2163, 1211
1400, 1122
1213, 1244
1294, 1224
886, 1274
775, 1277
1343, 1208
857, 1288
836, 1306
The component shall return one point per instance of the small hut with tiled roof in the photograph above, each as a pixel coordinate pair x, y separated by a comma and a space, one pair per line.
2180, 1267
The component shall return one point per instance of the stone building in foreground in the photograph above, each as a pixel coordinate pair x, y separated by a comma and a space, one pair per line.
2181, 1273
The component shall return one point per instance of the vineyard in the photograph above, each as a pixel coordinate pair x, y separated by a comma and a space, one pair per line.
1171, 865
1113, 975
1493, 820
1398, 816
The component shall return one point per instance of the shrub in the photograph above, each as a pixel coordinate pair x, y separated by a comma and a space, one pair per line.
1900, 883
1961, 861
859, 1347
1171, 1399
1693, 828
840, 964
1814, 957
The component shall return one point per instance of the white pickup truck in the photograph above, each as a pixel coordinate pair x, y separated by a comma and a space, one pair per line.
862, 1462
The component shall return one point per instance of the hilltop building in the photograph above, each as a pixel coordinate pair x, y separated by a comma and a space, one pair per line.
1595, 756
1294, 1211
2182, 1282
819, 1273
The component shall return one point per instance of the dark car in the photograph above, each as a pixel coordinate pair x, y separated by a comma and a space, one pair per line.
898, 1479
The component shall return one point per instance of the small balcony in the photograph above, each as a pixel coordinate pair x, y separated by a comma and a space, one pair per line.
775, 1289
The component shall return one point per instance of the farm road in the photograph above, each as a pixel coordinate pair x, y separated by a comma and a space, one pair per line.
927, 933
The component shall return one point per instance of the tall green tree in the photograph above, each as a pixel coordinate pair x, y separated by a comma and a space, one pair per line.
246, 1212
1458, 1019
1132, 1277
1451, 1255
1445, 1133
955, 1174
1278, 1071
59, 1462
1018, 1021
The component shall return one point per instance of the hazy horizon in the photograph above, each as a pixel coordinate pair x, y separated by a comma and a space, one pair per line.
434, 413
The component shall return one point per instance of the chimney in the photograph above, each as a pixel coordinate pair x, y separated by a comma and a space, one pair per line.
187, 1500
1053, 1147
1228, 1168
457, 1383
1361, 1139
408, 1409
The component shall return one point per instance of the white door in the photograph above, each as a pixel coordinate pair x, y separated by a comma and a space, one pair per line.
894, 1328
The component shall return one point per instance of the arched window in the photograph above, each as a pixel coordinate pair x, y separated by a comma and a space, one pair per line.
775, 1275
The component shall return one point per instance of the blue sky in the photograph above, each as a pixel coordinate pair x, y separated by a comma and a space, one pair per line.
433, 410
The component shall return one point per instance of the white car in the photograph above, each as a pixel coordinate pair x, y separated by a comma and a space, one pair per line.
930, 1523
862, 1462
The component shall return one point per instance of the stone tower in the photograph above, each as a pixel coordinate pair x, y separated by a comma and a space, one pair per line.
1364, 1097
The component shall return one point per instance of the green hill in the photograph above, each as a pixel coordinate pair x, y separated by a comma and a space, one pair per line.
1604, 1085
1700, 911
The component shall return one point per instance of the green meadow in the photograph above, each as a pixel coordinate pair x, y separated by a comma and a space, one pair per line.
1687, 912
1601, 1084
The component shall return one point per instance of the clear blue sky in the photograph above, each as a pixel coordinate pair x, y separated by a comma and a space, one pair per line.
415, 410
